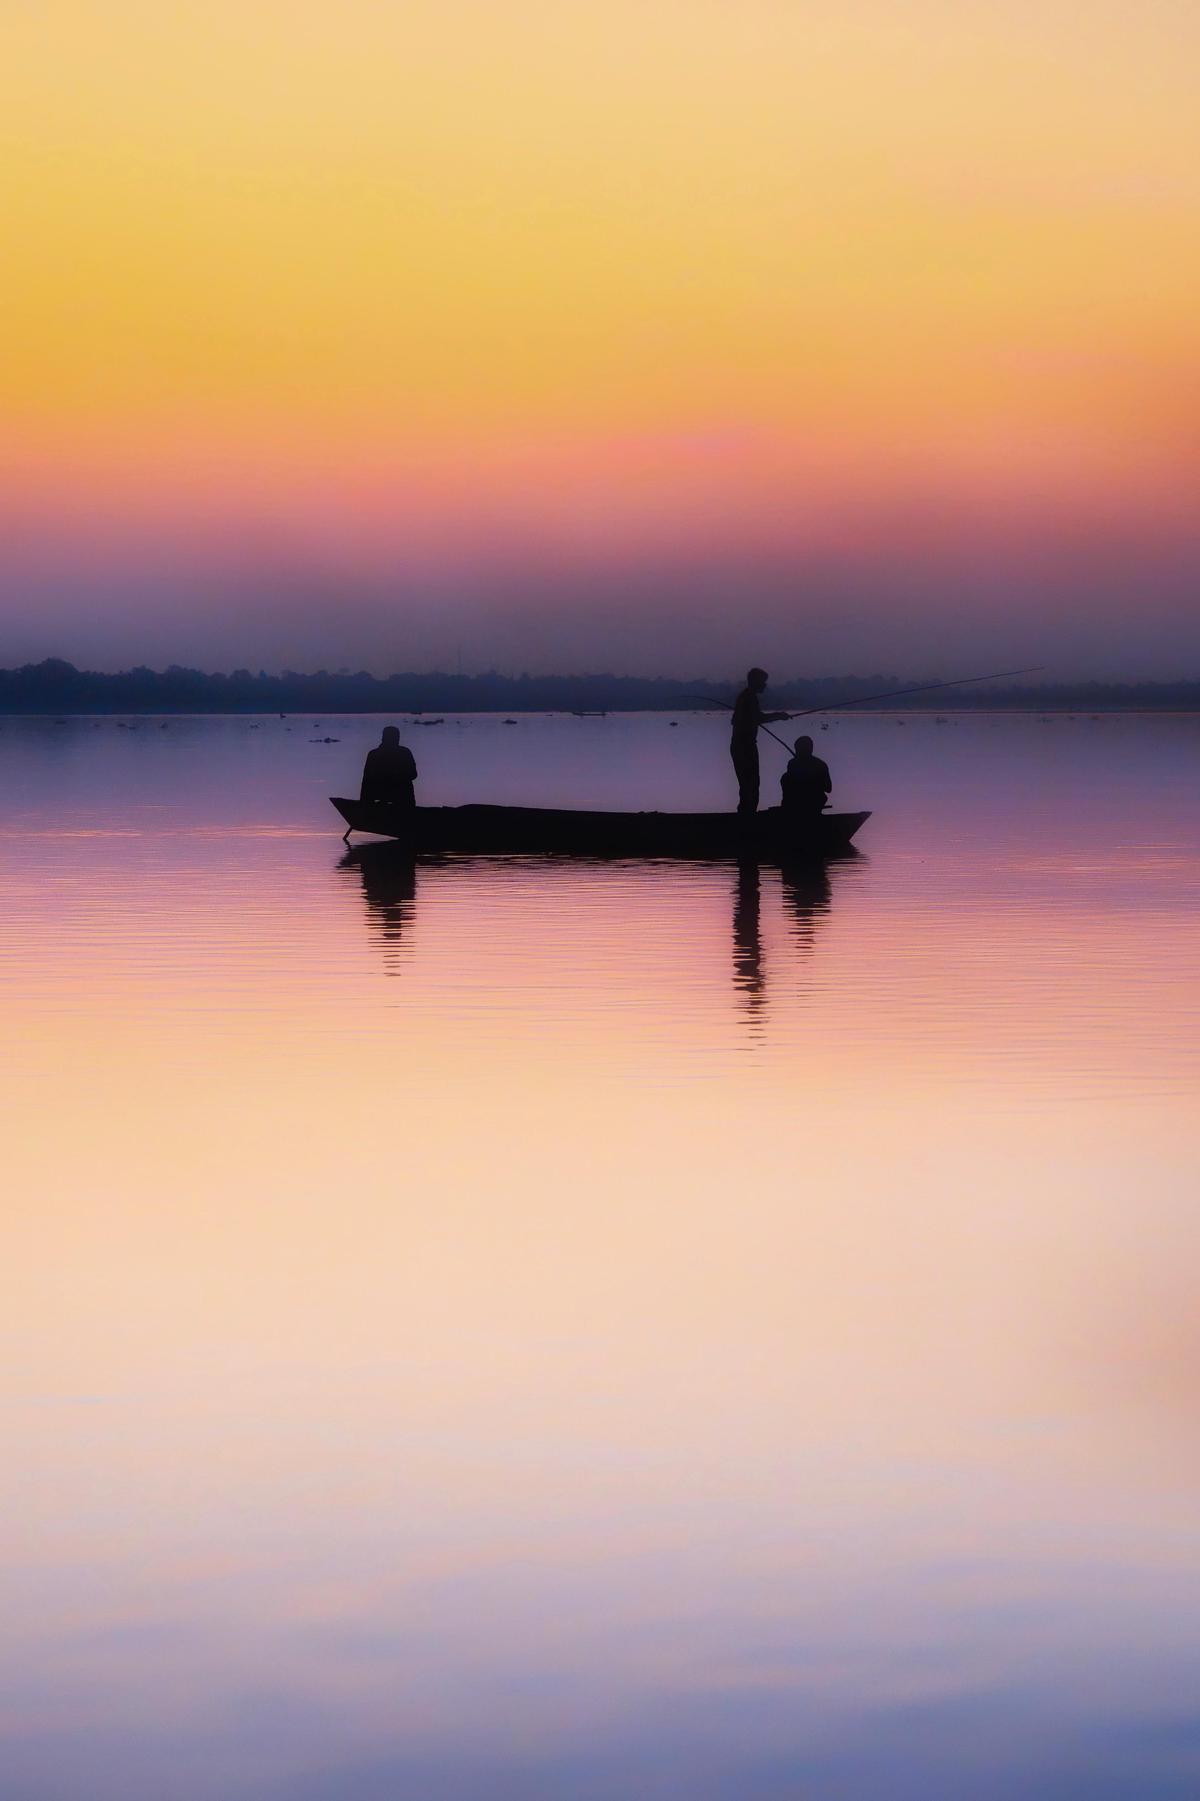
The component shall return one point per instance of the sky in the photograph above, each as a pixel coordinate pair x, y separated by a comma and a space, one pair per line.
645, 335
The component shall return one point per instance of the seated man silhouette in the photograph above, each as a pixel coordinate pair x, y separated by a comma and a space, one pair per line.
389, 772
805, 782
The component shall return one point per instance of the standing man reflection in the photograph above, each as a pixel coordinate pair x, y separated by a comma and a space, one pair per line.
748, 974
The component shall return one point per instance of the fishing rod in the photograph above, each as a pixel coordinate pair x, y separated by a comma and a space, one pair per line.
862, 700
714, 700
961, 681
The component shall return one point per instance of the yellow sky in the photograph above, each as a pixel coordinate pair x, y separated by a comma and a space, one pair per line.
902, 228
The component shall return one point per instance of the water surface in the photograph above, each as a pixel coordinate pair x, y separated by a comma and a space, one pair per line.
567, 1331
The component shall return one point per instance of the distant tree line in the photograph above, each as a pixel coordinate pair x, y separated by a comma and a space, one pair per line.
55, 686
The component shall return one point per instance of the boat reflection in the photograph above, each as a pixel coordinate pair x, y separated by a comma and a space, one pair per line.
388, 873
388, 877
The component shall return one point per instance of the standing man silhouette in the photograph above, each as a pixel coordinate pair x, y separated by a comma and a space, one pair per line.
748, 715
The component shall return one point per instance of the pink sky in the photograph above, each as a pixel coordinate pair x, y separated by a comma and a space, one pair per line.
602, 336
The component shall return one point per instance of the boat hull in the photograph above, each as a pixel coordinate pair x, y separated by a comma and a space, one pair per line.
536, 830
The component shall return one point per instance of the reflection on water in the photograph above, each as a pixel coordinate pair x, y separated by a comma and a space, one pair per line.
806, 894
518, 1327
388, 877
748, 973
807, 891
389, 886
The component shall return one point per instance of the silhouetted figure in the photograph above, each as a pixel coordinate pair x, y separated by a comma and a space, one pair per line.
805, 782
748, 715
389, 772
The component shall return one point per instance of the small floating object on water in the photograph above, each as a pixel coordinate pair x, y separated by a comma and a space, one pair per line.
324, 740
434, 722
941, 720
674, 723
510, 722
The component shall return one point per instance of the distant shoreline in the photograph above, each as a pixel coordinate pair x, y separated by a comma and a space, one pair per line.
432, 715
57, 688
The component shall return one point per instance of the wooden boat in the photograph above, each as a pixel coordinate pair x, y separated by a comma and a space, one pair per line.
531, 830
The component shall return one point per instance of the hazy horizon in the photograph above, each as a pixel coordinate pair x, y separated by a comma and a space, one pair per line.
710, 620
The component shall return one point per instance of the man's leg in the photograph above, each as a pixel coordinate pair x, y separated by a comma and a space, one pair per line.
745, 765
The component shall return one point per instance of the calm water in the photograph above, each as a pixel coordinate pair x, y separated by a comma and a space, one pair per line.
558, 1332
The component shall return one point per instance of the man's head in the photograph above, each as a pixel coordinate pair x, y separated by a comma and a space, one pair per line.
391, 737
804, 747
756, 680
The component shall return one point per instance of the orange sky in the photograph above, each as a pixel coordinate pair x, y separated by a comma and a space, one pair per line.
591, 281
